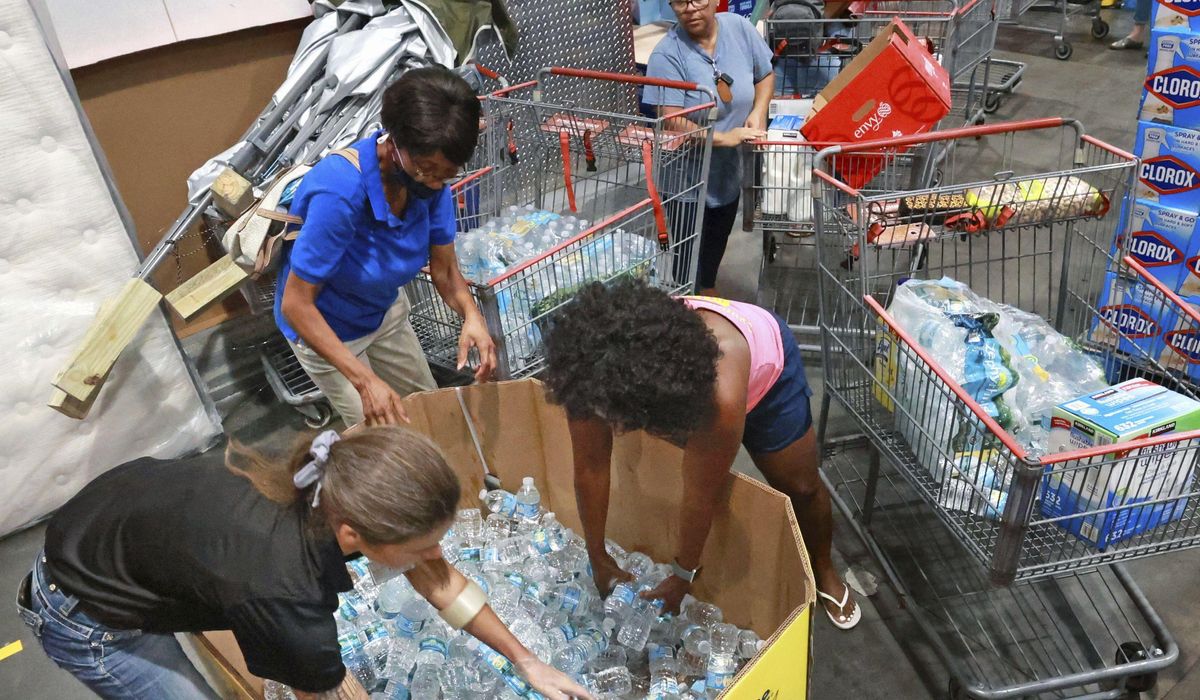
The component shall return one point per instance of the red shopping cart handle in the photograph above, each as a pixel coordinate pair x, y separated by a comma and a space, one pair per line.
622, 78
952, 134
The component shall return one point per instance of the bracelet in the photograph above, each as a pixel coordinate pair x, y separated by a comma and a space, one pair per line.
459, 613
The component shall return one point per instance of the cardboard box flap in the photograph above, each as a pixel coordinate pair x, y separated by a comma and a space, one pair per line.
896, 34
756, 567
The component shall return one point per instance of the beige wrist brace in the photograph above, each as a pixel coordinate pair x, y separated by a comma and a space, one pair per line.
465, 607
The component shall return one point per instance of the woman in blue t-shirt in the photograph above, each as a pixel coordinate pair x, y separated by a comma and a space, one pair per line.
368, 230
724, 53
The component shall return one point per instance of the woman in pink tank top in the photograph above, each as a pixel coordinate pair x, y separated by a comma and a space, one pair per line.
708, 375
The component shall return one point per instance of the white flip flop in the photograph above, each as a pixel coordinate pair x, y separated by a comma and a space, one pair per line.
842, 621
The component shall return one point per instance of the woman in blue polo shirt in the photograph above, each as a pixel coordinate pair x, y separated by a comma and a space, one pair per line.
367, 231
725, 53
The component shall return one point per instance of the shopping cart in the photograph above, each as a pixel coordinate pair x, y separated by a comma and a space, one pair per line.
632, 182
777, 192
1011, 12
809, 53
1062, 621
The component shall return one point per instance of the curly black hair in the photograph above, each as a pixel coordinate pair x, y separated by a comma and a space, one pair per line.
632, 355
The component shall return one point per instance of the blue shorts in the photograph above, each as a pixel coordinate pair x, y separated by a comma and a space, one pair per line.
784, 415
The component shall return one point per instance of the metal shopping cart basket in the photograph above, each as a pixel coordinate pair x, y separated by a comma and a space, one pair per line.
777, 192
631, 182
1015, 602
1011, 12
809, 53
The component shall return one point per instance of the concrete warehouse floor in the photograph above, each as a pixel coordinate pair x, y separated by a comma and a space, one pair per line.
887, 656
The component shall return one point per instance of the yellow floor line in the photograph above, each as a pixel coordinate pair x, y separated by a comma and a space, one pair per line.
9, 649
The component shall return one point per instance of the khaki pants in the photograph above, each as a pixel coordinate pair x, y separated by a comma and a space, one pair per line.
393, 352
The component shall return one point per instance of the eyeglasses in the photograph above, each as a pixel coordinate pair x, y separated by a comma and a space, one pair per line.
402, 161
680, 5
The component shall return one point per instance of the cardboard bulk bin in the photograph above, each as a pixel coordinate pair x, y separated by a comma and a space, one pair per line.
755, 565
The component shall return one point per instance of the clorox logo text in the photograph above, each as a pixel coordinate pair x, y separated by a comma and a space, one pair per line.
1178, 86
1129, 321
1168, 175
1186, 343
1152, 250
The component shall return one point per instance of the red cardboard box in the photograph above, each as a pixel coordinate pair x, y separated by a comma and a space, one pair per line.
894, 87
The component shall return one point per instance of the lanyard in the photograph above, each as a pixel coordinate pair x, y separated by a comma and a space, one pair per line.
723, 82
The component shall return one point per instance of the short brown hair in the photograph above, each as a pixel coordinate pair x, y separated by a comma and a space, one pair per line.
389, 484
432, 109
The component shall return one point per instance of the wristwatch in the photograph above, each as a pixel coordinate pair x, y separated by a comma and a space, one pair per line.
688, 575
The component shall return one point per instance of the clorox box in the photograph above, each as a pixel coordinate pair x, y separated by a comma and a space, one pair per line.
1180, 348
1132, 316
1159, 238
1169, 174
1130, 410
1171, 92
1176, 14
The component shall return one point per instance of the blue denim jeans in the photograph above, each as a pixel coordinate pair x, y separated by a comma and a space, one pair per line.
119, 664
1141, 11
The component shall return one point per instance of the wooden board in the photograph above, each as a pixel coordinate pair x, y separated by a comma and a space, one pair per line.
222, 658
205, 287
106, 338
232, 193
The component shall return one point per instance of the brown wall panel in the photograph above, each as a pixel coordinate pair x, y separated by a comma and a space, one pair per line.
159, 114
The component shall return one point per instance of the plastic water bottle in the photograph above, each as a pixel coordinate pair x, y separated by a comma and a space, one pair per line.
431, 655
504, 553
396, 689
619, 603
500, 502
637, 564
748, 644
635, 630
409, 620
501, 667
548, 536
360, 574
355, 660
529, 501
695, 640
352, 606
704, 614
570, 598
722, 659
579, 651
462, 681
376, 644
558, 626
467, 533
400, 660
274, 690
664, 671
609, 683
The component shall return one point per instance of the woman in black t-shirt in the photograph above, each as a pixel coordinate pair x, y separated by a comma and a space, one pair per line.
152, 548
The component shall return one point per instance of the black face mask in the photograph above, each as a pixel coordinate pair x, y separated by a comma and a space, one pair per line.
419, 190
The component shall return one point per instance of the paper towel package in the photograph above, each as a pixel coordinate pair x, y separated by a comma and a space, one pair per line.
1169, 174
1160, 238
1134, 409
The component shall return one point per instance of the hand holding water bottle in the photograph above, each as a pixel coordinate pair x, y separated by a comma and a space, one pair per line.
671, 591
549, 681
607, 573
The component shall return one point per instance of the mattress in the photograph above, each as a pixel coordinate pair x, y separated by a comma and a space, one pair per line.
63, 250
